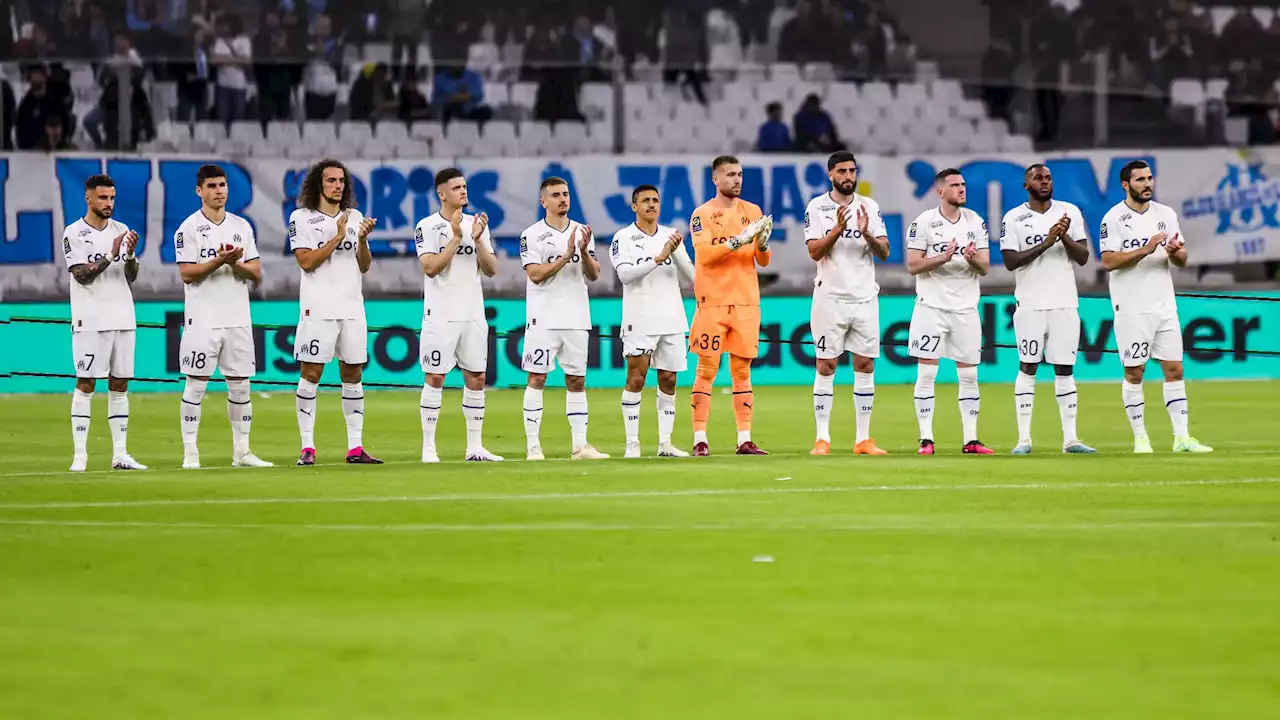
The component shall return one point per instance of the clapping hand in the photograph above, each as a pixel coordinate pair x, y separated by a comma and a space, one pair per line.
670, 246
343, 217
1174, 244
230, 254
478, 228
970, 251
585, 239
951, 249
842, 218
864, 222
366, 227
1154, 242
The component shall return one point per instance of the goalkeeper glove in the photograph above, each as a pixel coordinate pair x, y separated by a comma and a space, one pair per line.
765, 232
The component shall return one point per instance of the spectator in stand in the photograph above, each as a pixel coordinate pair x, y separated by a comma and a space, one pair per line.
484, 56
413, 102
320, 80
55, 138
815, 130
549, 58
1250, 95
373, 94
37, 106
34, 45
686, 51
233, 57
10, 111
774, 135
277, 73
75, 40
1171, 54
1243, 37
459, 93
193, 79
103, 123
153, 22
408, 22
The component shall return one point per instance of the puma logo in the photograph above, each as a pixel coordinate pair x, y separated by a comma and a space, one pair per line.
305, 412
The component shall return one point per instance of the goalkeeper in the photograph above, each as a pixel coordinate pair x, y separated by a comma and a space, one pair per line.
730, 237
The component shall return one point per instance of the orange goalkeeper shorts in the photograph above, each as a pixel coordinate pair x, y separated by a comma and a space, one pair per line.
733, 329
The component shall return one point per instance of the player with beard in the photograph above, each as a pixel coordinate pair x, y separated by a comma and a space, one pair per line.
329, 238
99, 254
845, 235
1041, 241
730, 237
1146, 311
947, 253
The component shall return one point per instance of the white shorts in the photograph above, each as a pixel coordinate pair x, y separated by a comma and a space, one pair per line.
101, 353
666, 352
204, 350
319, 340
1047, 335
446, 345
839, 327
942, 333
1143, 336
543, 348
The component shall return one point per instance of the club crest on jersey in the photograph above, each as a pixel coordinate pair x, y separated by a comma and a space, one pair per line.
696, 226
235, 238
1160, 226
1103, 234
177, 241
971, 235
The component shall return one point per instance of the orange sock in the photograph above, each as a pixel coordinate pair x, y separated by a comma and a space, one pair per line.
702, 382
743, 398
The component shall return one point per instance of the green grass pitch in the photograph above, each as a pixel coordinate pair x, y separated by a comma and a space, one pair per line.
1045, 587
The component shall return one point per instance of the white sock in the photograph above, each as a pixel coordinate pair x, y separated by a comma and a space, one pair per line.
118, 419
1134, 407
353, 413
192, 395
81, 404
575, 407
823, 392
306, 410
240, 413
532, 416
666, 417
1175, 401
969, 402
744, 436
429, 409
473, 410
1024, 401
864, 400
1064, 387
699, 436
925, 377
631, 415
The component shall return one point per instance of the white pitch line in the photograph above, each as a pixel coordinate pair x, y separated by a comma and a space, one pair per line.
586, 527
704, 492
130, 476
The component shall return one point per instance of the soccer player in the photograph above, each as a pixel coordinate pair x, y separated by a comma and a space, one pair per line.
217, 259
454, 249
559, 259
1040, 241
1140, 239
947, 252
329, 239
730, 237
650, 260
99, 255
845, 234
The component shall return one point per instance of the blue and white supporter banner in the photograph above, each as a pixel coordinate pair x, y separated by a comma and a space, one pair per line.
1228, 202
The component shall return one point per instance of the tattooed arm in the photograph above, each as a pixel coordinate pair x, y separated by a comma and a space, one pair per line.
85, 273
131, 269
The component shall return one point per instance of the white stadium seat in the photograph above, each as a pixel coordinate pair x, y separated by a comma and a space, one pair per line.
535, 138
1187, 92
523, 94
499, 137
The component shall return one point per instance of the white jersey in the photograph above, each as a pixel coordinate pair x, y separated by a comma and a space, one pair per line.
954, 286
335, 290
221, 300
848, 272
651, 305
1049, 281
1146, 287
106, 303
454, 294
560, 302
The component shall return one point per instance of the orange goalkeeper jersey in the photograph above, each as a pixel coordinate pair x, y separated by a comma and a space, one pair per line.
724, 276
